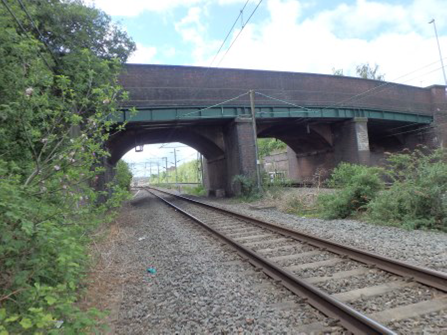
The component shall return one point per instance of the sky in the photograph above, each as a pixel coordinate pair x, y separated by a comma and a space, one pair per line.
317, 36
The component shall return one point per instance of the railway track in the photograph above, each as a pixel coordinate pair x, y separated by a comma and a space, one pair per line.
344, 283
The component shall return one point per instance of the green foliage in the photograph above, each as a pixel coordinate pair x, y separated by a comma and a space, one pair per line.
54, 121
337, 72
418, 195
123, 176
246, 188
365, 71
188, 172
298, 206
267, 146
359, 185
198, 190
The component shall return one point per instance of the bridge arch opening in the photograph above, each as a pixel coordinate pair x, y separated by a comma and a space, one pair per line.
309, 153
165, 164
127, 140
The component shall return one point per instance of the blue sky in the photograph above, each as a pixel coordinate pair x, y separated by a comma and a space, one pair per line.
290, 35
304, 36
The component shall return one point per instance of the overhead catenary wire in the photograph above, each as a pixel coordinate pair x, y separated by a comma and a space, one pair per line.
229, 33
216, 105
25, 32
202, 79
240, 31
362, 94
372, 90
223, 43
174, 128
306, 110
42, 38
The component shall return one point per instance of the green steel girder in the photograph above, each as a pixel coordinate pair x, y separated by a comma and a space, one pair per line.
228, 112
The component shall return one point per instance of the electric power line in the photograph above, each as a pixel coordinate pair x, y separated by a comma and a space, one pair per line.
216, 105
202, 80
229, 32
42, 39
364, 94
25, 32
240, 31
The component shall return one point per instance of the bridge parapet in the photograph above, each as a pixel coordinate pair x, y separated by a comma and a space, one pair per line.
152, 86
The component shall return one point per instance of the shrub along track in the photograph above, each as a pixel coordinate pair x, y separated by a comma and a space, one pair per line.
391, 292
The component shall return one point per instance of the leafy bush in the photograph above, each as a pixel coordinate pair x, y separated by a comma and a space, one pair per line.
55, 116
123, 176
198, 190
246, 187
268, 146
359, 185
418, 195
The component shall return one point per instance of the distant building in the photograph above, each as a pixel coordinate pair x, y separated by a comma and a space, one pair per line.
277, 166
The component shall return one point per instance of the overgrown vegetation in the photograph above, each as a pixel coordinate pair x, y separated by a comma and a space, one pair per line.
417, 197
198, 190
123, 175
188, 172
268, 146
58, 89
246, 188
357, 184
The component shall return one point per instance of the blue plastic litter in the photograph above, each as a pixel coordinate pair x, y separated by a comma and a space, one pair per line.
151, 271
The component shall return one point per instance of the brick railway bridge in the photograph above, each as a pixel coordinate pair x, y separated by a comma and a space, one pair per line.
323, 119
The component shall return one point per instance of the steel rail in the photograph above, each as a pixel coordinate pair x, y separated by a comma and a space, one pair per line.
422, 275
348, 317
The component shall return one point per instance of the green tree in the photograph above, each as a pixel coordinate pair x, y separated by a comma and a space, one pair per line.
268, 146
337, 72
59, 63
123, 175
366, 71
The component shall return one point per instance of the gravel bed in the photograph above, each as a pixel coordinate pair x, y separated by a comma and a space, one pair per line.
247, 233
323, 256
260, 239
194, 289
286, 251
328, 270
398, 297
268, 244
423, 248
371, 278
432, 323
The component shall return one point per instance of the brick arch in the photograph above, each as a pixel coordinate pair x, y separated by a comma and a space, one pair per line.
299, 137
126, 140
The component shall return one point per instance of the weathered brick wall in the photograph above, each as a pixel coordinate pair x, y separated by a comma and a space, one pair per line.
277, 162
439, 103
351, 142
215, 175
166, 85
239, 152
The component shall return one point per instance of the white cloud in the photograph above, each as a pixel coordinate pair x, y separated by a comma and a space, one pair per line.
143, 55
193, 30
135, 7
398, 38
154, 153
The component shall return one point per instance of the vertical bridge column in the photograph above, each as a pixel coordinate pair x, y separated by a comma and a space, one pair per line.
352, 142
439, 108
239, 152
214, 176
